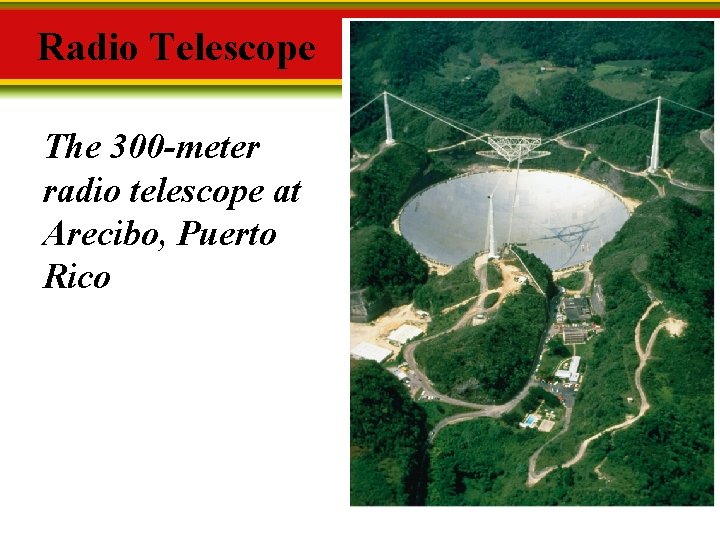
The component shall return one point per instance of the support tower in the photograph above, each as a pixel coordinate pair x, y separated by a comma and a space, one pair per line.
388, 125
490, 233
655, 152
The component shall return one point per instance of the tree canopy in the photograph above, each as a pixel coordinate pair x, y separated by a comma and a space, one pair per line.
385, 263
387, 436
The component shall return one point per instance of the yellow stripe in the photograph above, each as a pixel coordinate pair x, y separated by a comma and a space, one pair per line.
579, 2
170, 82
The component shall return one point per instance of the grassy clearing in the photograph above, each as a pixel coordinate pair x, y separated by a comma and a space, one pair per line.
573, 282
622, 64
633, 80
494, 276
657, 314
440, 323
521, 80
619, 87
491, 299
695, 165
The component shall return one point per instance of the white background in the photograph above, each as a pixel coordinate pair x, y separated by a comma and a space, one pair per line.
204, 392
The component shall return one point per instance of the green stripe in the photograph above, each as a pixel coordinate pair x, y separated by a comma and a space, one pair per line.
164, 92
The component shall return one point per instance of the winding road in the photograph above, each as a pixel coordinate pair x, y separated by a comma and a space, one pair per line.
704, 137
480, 410
674, 327
687, 185
643, 174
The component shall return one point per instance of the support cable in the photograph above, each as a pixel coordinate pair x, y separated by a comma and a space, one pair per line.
561, 135
686, 107
368, 103
473, 135
442, 116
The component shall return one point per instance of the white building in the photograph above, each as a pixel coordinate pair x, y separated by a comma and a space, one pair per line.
405, 333
368, 351
400, 374
572, 372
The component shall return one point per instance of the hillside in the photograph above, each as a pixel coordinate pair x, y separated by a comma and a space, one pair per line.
490, 362
387, 436
654, 277
507, 78
385, 263
666, 458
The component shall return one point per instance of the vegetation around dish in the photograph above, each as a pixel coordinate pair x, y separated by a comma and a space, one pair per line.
441, 292
491, 299
489, 362
542, 78
572, 282
385, 263
494, 276
650, 463
539, 271
395, 175
387, 438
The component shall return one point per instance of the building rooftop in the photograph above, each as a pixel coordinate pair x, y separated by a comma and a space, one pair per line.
404, 334
368, 351
570, 373
577, 309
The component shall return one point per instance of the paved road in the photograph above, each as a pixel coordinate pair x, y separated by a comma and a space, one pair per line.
409, 351
588, 279
484, 411
363, 165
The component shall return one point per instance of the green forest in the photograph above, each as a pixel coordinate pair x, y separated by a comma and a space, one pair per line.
441, 292
385, 263
490, 362
387, 439
539, 270
517, 78
667, 457
544, 79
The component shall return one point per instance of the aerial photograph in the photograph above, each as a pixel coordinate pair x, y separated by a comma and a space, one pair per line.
531, 263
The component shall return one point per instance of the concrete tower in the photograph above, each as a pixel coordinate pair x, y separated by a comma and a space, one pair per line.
490, 233
655, 152
388, 126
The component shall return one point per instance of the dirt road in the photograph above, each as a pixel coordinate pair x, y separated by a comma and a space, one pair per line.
674, 327
509, 286
535, 477
686, 185
631, 204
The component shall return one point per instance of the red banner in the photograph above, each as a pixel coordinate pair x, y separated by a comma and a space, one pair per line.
219, 44
170, 44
